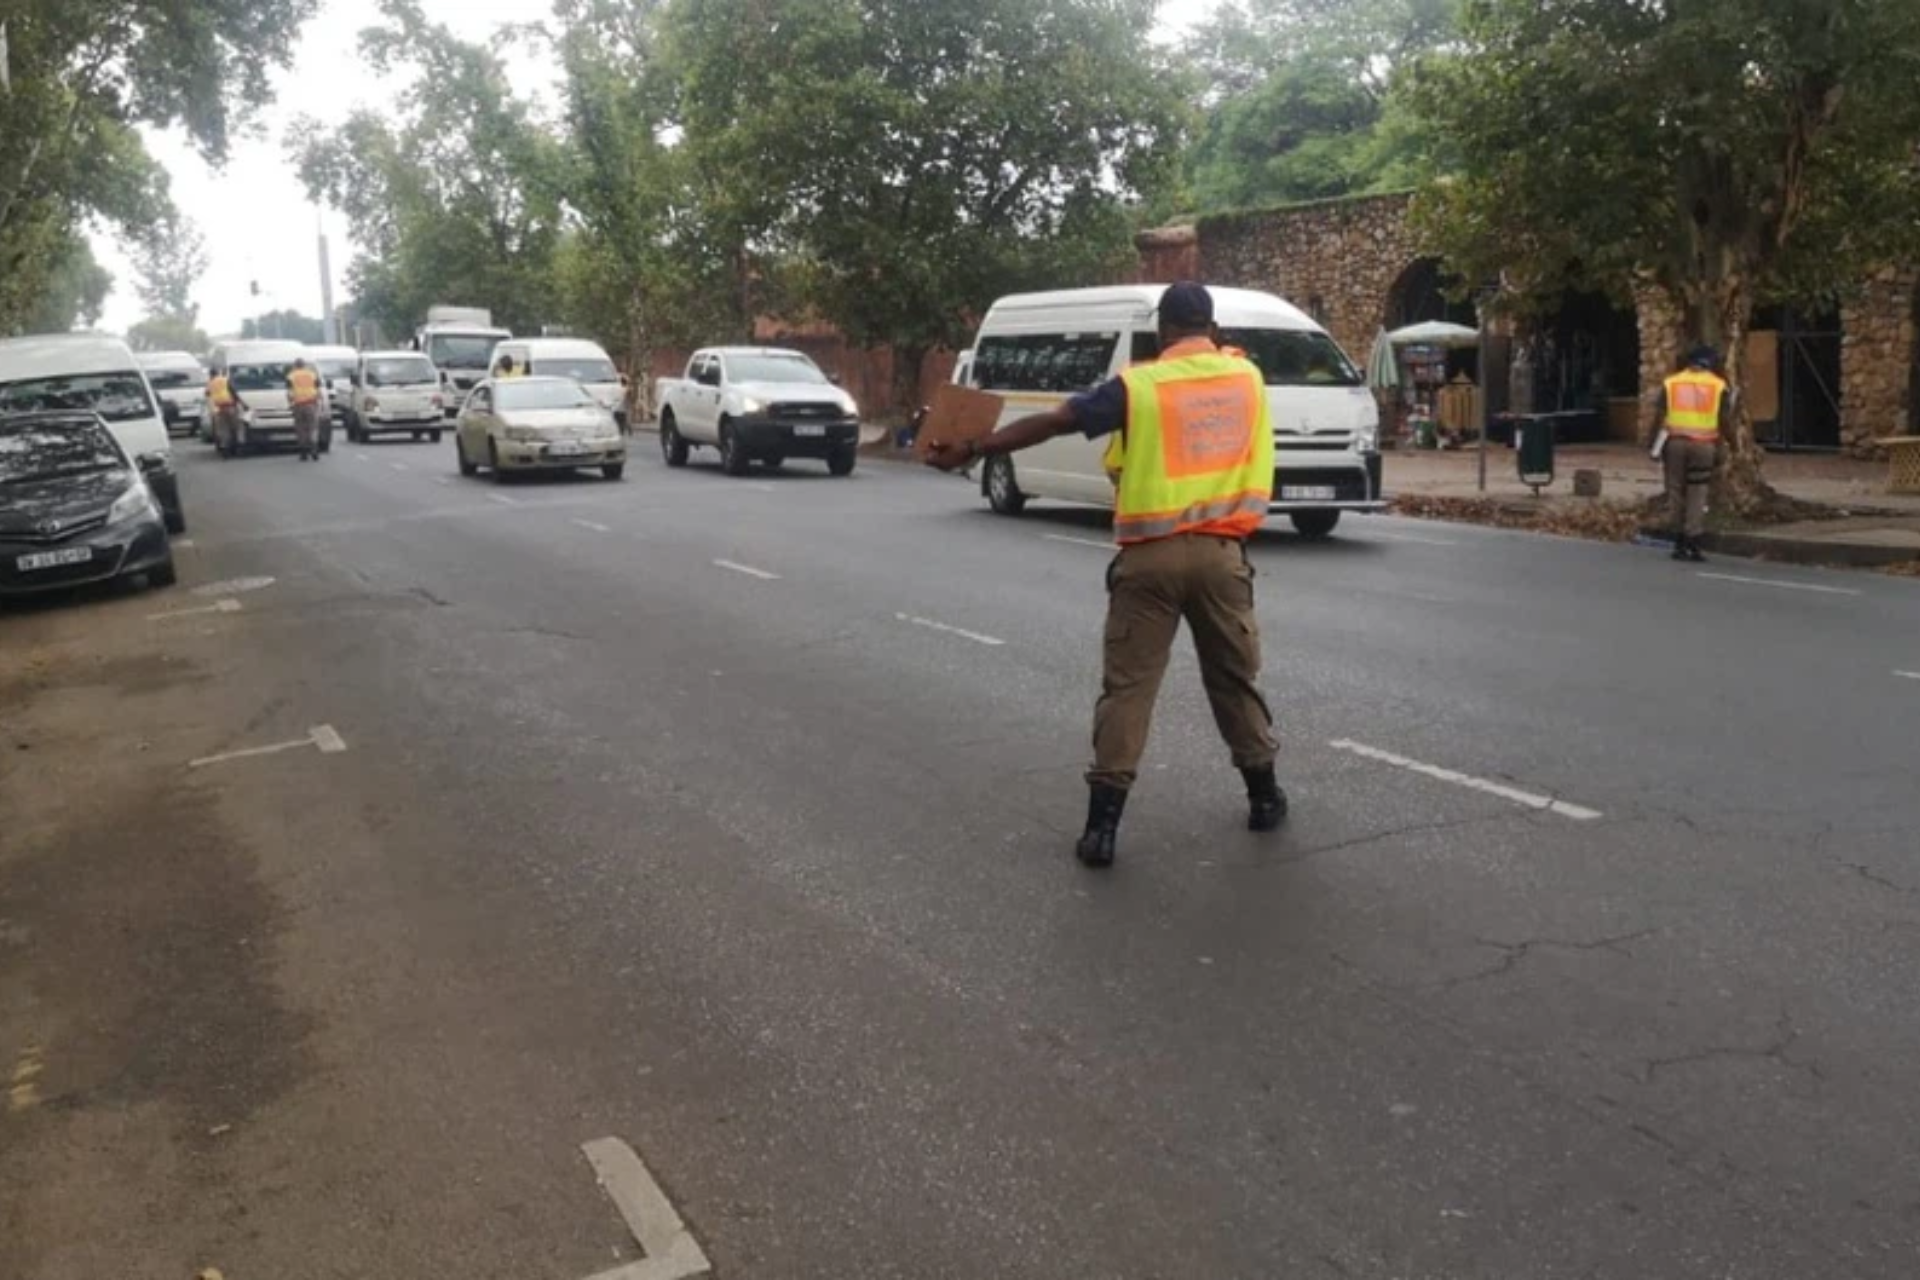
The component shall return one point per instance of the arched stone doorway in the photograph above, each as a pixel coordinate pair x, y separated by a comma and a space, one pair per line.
1420, 294
1802, 346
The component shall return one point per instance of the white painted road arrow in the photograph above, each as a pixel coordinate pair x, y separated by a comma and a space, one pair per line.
672, 1252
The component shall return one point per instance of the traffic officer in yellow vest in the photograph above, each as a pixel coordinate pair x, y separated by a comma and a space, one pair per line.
224, 404
303, 391
1696, 411
1195, 475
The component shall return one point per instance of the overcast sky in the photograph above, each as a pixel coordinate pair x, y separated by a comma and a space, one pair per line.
254, 214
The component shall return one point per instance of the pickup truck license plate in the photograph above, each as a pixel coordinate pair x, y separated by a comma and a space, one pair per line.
53, 559
1308, 493
810, 431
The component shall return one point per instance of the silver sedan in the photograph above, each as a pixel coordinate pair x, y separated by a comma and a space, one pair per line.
537, 424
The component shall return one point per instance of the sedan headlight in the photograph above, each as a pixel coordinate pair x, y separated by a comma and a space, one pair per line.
135, 503
522, 435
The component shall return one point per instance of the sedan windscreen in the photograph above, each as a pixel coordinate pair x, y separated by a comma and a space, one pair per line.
775, 369
46, 450
512, 394
1295, 357
400, 373
117, 397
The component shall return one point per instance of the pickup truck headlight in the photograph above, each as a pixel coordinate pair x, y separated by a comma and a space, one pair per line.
131, 505
751, 405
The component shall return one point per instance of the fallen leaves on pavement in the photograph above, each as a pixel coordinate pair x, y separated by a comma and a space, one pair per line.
1598, 521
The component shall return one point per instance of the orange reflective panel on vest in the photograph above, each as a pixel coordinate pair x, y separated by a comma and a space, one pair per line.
304, 386
1198, 456
1694, 399
220, 391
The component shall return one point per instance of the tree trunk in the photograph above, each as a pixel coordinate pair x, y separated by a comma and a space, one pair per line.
908, 360
1719, 313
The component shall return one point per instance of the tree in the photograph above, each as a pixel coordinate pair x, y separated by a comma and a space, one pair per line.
67, 289
639, 268
453, 194
1727, 151
918, 158
170, 258
286, 326
168, 333
1302, 99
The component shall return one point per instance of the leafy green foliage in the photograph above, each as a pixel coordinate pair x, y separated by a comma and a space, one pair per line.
1303, 99
921, 157
170, 257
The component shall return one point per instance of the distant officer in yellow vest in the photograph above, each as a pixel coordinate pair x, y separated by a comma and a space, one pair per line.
224, 403
1696, 411
1194, 479
303, 392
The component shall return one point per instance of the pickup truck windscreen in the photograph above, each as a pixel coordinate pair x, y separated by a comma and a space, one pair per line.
775, 369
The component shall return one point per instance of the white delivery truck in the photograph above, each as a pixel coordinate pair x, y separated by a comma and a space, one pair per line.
1035, 350
460, 342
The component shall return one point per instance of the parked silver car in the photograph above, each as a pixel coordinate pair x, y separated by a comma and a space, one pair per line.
537, 424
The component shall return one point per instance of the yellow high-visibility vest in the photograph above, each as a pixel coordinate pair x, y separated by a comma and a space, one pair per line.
1693, 404
303, 386
219, 391
1197, 454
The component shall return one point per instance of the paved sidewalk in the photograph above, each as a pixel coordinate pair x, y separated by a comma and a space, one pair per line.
1871, 527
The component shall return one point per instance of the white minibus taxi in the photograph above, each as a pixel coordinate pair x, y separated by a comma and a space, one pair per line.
1036, 349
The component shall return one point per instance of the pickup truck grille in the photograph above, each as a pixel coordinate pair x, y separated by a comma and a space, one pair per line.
807, 412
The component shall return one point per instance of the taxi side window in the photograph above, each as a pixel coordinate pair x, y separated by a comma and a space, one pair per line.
1058, 362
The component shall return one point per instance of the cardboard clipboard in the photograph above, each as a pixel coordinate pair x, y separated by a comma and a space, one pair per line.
958, 414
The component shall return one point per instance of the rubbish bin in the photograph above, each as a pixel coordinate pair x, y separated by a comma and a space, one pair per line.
1533, 443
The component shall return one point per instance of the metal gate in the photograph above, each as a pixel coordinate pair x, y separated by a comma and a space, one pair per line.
1809, 416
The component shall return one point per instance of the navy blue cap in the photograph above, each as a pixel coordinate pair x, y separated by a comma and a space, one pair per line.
1186, 305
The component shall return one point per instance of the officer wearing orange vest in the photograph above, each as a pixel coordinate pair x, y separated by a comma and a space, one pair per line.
1195, 476
303, 390
1695, 410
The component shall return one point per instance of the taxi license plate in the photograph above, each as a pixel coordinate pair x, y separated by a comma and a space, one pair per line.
1308, 493
567, 449
54, 559
813, 432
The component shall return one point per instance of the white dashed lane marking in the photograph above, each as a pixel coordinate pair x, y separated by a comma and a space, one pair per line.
588, 524
945, 629
671, 1251
363, 457
1079, 542
503, 500
324, 737
746, 569
1781, 583
1908, 675
1527, 798
399, 466
218, 606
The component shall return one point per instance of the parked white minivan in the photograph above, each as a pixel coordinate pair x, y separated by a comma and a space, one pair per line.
258, 372
179, 380
587, 363
335, 365
97, 372
1035, 350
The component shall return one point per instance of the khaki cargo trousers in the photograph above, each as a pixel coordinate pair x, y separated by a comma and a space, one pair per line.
1690, 465
1151, 586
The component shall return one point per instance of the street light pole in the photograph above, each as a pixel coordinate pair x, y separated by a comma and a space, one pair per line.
1483, 300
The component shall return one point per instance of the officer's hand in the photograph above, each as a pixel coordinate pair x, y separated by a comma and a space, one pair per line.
948, 456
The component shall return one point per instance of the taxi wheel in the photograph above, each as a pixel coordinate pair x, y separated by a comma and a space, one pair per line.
1003, 492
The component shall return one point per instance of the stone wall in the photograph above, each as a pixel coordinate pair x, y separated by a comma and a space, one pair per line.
1877, 358
1341, 260
1337, 259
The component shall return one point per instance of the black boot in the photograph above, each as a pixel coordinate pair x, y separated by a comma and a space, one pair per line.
1680, 544
1266, 802
1694, 554
1104, 806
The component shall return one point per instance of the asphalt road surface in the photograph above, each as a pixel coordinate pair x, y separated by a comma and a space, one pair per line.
732, 819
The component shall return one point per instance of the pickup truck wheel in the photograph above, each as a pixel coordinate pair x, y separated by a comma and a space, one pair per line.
673, 445
841, 461
1315, 525
733, 459
1003, 492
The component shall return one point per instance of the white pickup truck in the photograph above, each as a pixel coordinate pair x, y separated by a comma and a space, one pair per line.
758, 404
